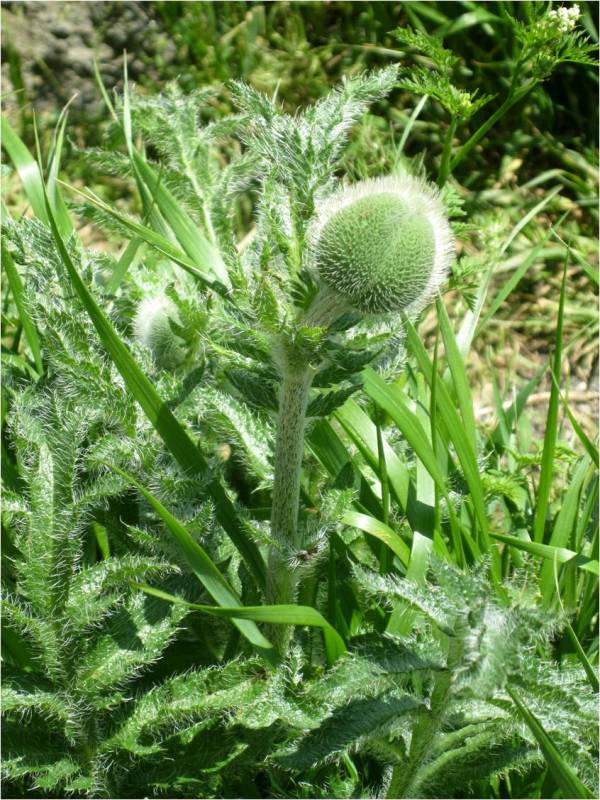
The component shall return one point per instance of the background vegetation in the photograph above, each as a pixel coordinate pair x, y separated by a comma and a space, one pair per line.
479, 455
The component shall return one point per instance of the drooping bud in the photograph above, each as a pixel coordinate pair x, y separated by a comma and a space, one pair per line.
385, 244
152, 328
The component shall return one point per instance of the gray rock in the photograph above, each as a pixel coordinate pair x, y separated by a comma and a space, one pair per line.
58, 41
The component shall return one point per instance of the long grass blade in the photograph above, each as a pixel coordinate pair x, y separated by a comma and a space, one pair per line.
409, 126
459, 375
273, 615
381, 531
187, 232
562, 533
469, 325
363, 432
511, 284
562, 554
590, 447
63, 219
157, 198
391, 399
328, 448
204, 568
513, 413
28, 169
425, 488
155, 240
16, 287
591, 673
547, 467
129, 256
563, 773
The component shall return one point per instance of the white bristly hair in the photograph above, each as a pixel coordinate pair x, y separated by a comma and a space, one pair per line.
151, 310
151, 328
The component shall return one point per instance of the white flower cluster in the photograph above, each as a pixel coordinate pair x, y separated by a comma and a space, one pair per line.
565, 18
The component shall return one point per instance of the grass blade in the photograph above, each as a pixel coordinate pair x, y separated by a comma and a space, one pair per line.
385, 489
459, 375
589, 446
16, 287
129, 256
392, 401
564, 526
331, 452
547, 468
513, 413
590, 271
420, 554
585, 662
424, 509
470, 18
155, 195
563, 774
273, 615
381, 531
573, 638
103, 91
28, 169
101, 536
186, 231
526, 219
204, 568
31, 176
469, 325
408, 127
151, 213
156, 240
510, 284
63, 219
363, 432
562, 554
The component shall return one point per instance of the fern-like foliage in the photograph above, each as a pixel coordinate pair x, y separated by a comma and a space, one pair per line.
108, 692
437, 80
435, 709
78, 636
89, 707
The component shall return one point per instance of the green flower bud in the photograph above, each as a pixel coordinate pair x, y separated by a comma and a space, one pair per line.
384, 244
152, 329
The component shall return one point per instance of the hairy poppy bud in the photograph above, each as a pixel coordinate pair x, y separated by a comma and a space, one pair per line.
384, 244
152, 329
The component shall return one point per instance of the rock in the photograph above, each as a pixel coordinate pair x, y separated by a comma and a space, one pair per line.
58, 41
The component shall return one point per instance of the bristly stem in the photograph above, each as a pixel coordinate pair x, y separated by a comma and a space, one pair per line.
289, 449
296, 379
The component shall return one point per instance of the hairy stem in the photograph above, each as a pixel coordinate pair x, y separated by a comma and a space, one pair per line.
325, 308
289, 448
296, 379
